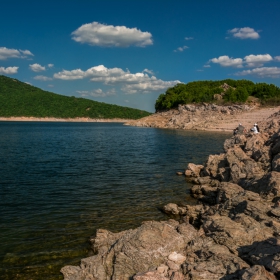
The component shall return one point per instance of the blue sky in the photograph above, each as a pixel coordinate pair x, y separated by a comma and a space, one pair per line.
128, 52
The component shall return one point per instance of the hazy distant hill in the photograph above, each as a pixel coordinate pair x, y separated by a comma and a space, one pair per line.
20, 99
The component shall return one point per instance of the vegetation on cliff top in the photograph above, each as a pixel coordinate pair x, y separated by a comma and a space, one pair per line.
21, 99
214, 92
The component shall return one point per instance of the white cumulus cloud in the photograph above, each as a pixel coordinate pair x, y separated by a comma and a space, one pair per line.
96, 71
26, 52
130, 83
244, 33
6, 53
8, 70
98, 34
97, 93
76, 74
188, 38
227, 61
257, 60
148, 71
37, 67
272, 72
249, 60
42, 78
147, 86
181, 49
277, 58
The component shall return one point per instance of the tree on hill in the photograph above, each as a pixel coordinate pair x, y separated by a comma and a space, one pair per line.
239, 94
236, 91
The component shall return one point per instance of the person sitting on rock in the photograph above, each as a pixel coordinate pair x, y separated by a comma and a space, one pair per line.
239, 130
255, 129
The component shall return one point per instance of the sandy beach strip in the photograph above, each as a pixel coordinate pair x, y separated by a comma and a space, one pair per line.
33, 119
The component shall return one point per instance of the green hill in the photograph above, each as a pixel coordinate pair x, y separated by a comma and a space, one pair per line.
20, 99
237, 91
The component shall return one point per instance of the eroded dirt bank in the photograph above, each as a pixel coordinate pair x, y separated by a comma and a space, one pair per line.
232, 233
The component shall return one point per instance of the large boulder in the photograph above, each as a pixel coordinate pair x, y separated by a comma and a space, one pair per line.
257, 149
133, 251
268, 185
205, 193
235, 233
227, 191
174, 210
193, 170
242, 166
217, 167
208, 260
239, 140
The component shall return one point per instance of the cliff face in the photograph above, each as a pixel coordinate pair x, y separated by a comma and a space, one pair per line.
206, 117
232, 233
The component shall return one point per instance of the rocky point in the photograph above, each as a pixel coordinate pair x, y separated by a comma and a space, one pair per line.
207, 116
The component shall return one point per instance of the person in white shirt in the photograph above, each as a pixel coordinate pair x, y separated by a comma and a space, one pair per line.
255, 128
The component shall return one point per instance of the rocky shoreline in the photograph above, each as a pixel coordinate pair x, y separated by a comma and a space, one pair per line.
233, 232
205, 116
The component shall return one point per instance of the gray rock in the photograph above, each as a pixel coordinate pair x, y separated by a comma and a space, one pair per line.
276, 212
276, 148
256, 272
177, 276
193, 170
173, 209
239, 140
228, 191
233, 234
150, 275
173, 266
265, 253
209, 260
276, 163
162, 269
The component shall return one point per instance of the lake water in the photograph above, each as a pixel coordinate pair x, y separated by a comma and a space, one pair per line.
59, 182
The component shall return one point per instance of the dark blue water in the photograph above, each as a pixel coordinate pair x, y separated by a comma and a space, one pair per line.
59, 182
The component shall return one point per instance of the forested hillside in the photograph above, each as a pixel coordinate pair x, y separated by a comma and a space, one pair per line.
21, 99
236, 91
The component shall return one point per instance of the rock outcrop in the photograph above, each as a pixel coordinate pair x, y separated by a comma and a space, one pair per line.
232, 233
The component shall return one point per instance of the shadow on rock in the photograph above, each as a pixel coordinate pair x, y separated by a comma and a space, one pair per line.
265, 253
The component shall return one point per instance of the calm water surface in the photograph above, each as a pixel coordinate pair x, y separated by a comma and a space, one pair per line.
59, 182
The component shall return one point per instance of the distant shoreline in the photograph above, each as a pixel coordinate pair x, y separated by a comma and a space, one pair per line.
76, 120
33, 119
